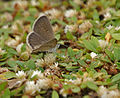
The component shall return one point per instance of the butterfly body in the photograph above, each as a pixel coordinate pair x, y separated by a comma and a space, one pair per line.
42, 39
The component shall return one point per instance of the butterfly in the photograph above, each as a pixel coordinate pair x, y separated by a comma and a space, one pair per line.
42, 38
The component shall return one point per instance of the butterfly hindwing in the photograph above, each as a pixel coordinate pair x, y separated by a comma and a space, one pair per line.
48, 46
34, 40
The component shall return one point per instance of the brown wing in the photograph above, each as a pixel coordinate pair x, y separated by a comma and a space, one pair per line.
46, 46
43, 27
34, 40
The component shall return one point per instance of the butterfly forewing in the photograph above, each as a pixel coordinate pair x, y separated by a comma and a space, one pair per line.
43, 27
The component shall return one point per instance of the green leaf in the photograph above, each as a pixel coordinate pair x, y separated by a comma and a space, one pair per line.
110, 54
77, 7
69, 35
76, 90
118, 4
23, 48
55, 94
92, 86
30, 64
116, 77
117, 54
58, 21
11, 51
12, 63
95, 15
81, 62
94, 42
6, 93
2, 86
16, 91
70, 52
89, 46
9, 75
41, 4
116, 36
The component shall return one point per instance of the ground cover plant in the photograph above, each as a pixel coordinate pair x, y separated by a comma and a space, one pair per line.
87, 63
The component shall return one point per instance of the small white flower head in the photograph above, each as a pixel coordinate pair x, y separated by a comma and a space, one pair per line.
56, 64
22, 4
77, 81
7, 16
40, 62
70, 13
13, 42
49, 59
34, 3
43, 83
109, 27
31, 88
63, 92
21, 74
97, 22
114, 94
102, 91
70, 28
78, 1
52, 13
5, 26
18, 48
55, 28
38, 73
48, 72
93, 55
2, 51
84, 27
117, 28
103, 43
107, 16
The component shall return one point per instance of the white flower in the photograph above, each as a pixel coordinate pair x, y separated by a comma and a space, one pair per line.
5, 26
13, 42
40, 62
2, 51
93, 55
52, 13
49, 59
109, 27
85, 26
38, 73
117, 28
34, 3
31, 88
43, 83
21, 3
70, 28
103, 92
70, 13
107, 16
21, 74
63, 92
76, 81
56, 64
18, 48
55, 28
78, 1
97, 22
103, 43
